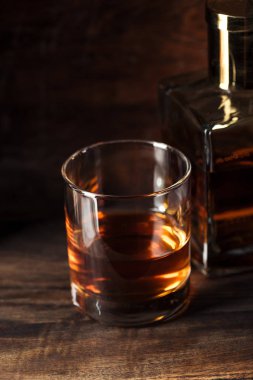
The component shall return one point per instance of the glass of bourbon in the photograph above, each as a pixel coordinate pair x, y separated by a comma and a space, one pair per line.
127, 206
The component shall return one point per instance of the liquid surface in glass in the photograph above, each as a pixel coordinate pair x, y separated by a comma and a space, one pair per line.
135, 256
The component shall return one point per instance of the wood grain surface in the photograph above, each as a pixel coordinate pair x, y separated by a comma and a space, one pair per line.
43, 337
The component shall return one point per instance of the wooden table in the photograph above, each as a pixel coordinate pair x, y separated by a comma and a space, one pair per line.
42, 336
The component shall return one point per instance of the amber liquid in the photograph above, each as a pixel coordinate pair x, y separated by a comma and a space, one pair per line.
230, 193
133, 258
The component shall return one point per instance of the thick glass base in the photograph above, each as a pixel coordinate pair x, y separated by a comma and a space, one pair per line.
118, 313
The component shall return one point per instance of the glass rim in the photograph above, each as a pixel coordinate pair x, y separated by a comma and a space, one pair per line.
155, 144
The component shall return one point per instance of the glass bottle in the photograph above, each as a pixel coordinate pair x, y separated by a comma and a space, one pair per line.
210, 119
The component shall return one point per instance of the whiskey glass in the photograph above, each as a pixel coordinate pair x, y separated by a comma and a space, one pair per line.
127, 207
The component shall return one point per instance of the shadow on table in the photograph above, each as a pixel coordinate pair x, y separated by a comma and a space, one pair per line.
217, 294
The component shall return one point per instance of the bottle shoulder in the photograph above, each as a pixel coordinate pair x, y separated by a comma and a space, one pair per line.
217, 123
212, 107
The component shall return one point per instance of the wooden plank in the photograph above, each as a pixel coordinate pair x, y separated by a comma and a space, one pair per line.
42, 336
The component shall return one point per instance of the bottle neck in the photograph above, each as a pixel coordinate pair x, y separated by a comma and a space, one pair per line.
231, 58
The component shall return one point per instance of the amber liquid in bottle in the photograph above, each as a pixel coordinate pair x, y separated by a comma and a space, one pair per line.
232, 204
221, 153
134, 258
210, 118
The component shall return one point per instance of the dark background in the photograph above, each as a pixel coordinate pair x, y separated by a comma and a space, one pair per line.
76, 72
